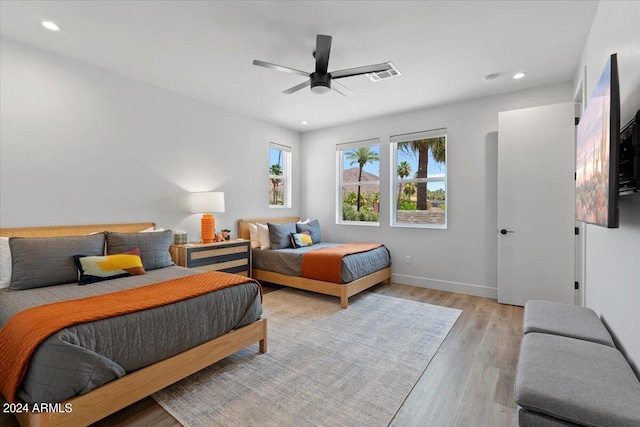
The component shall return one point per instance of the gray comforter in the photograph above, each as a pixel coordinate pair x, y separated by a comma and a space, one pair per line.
80, 358
289, 261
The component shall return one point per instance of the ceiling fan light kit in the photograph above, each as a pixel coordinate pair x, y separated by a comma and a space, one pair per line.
320, 81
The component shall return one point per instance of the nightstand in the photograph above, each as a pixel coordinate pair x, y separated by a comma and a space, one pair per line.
230, 256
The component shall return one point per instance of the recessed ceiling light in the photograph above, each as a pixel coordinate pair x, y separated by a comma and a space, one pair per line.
490, 77
50, 25
519, 75
304, 122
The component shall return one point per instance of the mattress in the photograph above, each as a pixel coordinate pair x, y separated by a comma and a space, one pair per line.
289, 261
77, 359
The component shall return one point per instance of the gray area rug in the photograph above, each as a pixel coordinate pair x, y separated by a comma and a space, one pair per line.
324, 366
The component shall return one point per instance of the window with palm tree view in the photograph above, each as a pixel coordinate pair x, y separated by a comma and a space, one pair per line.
279, 175
359, 192
420, 183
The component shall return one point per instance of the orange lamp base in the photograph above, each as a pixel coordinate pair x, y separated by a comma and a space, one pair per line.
207, 228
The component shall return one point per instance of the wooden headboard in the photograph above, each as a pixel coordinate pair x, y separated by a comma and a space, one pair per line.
74, 230
243, 224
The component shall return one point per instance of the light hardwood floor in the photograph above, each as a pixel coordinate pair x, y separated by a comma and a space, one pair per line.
469, 382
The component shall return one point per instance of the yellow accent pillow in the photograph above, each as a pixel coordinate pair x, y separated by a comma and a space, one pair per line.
300, 240
93, 269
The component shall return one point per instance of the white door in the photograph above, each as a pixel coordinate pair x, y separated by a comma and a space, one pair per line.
536, 164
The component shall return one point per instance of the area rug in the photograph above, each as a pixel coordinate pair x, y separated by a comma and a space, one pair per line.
324, 366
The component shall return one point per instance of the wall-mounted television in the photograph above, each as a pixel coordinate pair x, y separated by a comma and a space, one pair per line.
630, 157
597, 146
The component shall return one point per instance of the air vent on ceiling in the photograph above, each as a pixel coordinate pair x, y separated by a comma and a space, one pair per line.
387, 74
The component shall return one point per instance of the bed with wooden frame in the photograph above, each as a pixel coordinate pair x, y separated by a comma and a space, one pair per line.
344, 291
130, 388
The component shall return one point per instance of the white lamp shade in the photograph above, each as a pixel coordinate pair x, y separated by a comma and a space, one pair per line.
207, 202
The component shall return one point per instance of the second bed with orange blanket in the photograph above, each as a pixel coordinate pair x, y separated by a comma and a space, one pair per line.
334, 262
326, 263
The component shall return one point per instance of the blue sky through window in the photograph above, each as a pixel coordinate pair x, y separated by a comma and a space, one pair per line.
276, 157
373, 168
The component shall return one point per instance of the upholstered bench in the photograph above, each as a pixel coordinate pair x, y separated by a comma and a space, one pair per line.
565, 320
570, 373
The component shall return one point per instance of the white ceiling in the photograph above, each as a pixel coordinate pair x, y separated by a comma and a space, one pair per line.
205, 49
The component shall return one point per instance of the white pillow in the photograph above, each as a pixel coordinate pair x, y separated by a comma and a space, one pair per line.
253, 236
151, 230
263, 236
5, 262
306, 221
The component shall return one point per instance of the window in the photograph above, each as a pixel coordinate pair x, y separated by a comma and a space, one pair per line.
420, 179
279, 176
358, 182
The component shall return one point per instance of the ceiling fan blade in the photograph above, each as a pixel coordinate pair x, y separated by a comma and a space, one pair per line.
297, 87
360, 70
280, 68
323, 48
341, 89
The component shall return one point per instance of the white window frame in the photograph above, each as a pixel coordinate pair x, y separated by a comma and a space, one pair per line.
285, 177
395, 181
340, 149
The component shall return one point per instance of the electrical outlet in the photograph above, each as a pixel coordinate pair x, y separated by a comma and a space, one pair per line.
407, 259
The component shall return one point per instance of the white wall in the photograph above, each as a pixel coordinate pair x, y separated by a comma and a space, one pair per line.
612, 269
462, 258
81, 145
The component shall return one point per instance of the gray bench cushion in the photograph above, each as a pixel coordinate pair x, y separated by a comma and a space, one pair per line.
578, 381
566, 320
535, 419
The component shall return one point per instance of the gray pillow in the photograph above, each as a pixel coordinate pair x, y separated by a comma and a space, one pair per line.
280, 234
154, 247
313, 228
45, 261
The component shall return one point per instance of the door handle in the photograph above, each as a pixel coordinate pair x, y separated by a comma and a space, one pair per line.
504, 231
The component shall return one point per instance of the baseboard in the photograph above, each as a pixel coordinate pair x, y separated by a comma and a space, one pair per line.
443, 285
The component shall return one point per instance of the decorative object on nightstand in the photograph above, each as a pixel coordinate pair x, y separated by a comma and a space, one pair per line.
206, 203
229, 256
179, 237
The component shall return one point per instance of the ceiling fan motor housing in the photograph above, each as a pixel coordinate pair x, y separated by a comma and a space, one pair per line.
320, 82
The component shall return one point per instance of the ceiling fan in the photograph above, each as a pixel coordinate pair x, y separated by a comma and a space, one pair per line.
321, 80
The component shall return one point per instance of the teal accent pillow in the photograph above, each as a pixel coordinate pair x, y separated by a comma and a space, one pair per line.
280, 234
313, 228
300, 240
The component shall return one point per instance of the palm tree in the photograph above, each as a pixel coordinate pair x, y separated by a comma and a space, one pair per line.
362, 156
410, 190
422, 147
404, 170
375, 201
275, 170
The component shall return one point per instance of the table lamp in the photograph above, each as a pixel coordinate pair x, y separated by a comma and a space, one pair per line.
206, 203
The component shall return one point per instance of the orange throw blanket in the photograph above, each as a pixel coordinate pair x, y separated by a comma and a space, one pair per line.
20, 336
326, 264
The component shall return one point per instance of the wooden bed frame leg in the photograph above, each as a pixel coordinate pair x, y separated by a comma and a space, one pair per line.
344, 298
263, 342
